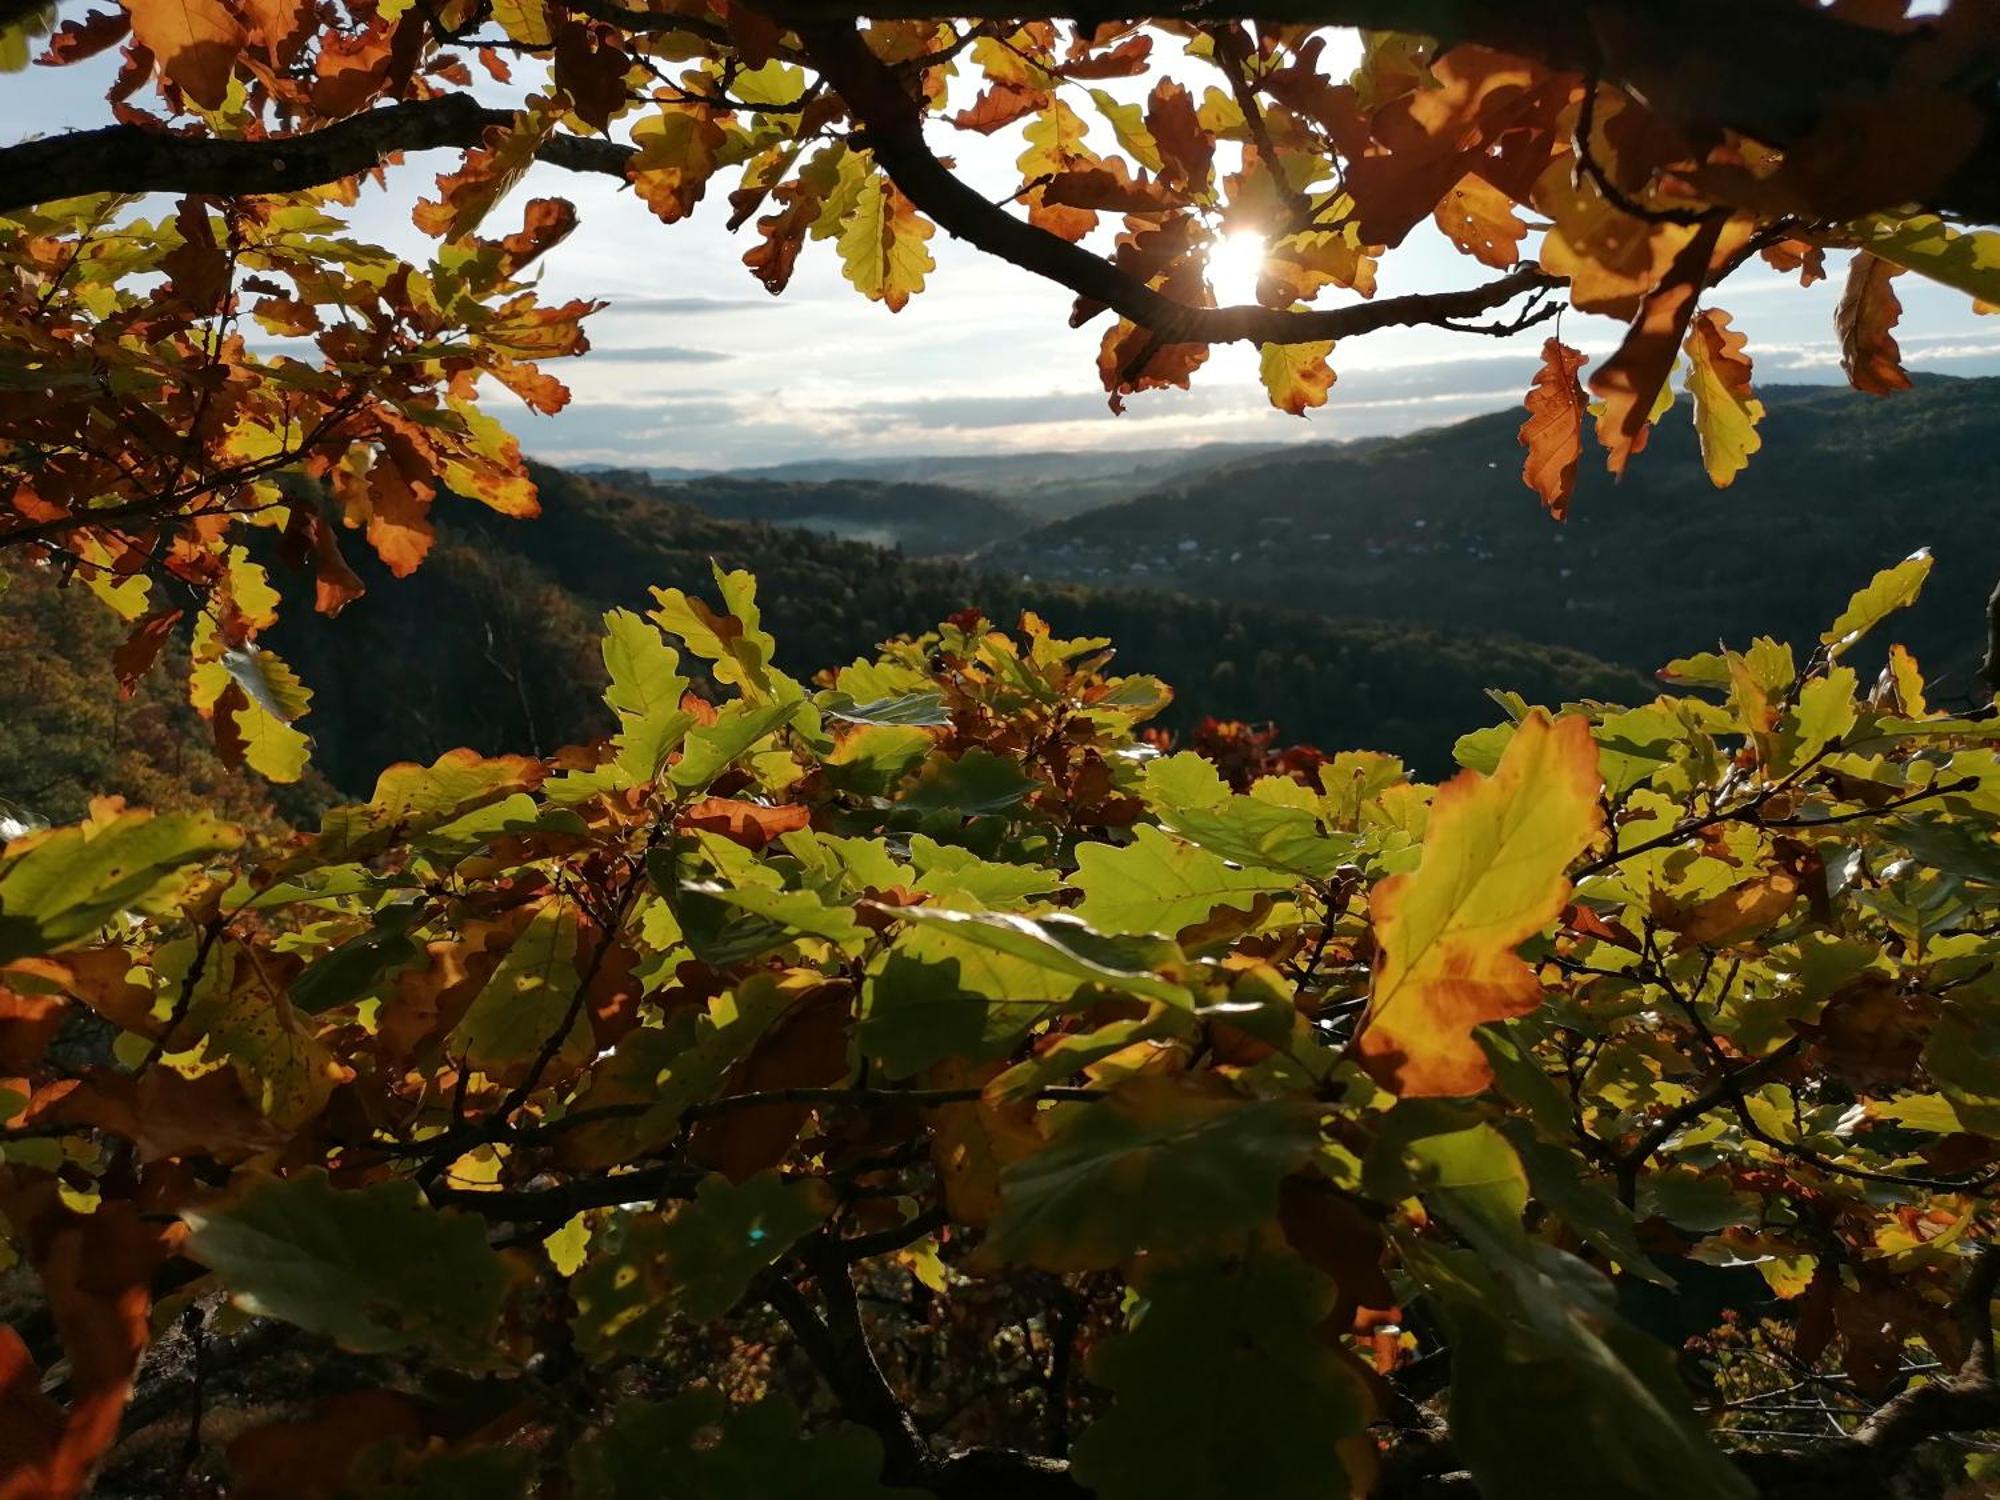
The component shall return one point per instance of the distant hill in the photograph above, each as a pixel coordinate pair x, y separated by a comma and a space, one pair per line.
925, 519
1435, 529
1048, 486
492, 642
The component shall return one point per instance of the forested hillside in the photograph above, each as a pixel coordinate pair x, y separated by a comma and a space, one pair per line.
1435, 530
492, 643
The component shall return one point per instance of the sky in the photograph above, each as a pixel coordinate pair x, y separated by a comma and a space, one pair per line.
695, 365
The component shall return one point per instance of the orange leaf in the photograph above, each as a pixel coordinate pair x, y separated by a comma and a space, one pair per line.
1553, 433
96, 1271
1480, 219
747, 823
196, 42
1868, 310
1492, 875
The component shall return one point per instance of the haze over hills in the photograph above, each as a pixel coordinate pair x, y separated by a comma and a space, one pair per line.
1047, 486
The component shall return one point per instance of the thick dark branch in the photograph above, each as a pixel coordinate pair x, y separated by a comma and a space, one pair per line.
129, 159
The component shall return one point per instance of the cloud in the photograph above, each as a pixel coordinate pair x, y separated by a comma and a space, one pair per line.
656, 354
681, 306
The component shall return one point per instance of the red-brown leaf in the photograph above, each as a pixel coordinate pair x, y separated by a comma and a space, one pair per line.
1553, 432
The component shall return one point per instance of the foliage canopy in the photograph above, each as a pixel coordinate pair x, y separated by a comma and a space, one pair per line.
914, 1081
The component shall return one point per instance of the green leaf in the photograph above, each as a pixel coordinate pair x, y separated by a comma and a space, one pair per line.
1155, 1165
934, 995
1552, 1392
977, 782
1888, 591
1463, 1166
959, 877
712, 749
920, 710
734, 642
873, 760
1128, 124
1191, 801
350, 971
645, 692
1632, 745
696, 1447
696, 1261
1556, 1176
793, 912
66, 884
1224, 1390
1063, 946
1158, 885
525, 1002
376, 1270
1825, 712
1968, 260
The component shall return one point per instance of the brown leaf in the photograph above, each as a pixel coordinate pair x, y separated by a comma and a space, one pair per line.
1553, 432
197, 267
806, 1048
97, 32
309, 1459
1631, 380
1869, 309
136, 654
1187, 150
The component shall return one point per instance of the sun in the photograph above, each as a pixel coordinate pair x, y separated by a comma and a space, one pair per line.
1234, 262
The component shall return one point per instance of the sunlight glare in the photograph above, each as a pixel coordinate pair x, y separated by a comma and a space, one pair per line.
1233, 264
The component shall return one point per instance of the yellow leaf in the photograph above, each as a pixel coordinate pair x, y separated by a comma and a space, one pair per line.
1492, 875
1726, 414
882, 245
525, 21
677, 156
1296, 375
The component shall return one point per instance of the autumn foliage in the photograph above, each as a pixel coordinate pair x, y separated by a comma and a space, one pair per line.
923, 1081
930, 1079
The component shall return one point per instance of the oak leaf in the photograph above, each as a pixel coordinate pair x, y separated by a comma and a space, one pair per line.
196, 42
882, 245
1492, 875
1869, 309
1553, 432
1480, 219
1725, 412
1296, 376
1630, 382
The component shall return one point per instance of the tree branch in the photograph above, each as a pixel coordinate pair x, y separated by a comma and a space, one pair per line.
893, 122
131, 159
